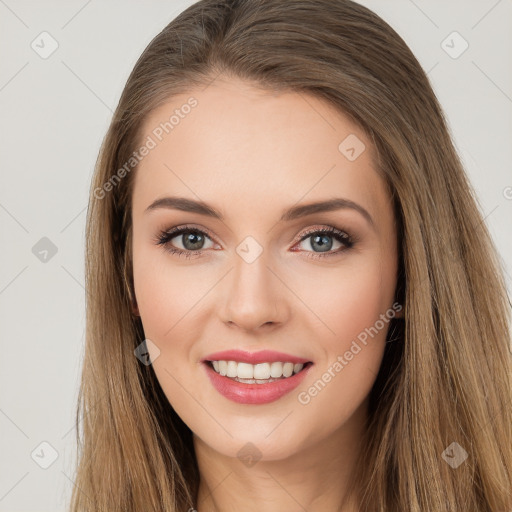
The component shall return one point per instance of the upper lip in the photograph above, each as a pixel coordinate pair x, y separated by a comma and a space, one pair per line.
263, 356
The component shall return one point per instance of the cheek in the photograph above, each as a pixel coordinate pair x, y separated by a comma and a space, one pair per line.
353, 344
348, 300
164, 291
154, 293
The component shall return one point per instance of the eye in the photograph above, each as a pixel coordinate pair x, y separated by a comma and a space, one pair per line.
321, 241
192, 241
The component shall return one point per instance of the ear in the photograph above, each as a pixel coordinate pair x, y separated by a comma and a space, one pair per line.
134, 307
128, 275
400, 314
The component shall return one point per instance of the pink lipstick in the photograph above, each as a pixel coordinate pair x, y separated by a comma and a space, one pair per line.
257, 393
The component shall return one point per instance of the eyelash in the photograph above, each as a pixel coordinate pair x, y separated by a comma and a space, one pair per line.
164, 237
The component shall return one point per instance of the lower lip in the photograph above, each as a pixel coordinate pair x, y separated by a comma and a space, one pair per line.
254, 393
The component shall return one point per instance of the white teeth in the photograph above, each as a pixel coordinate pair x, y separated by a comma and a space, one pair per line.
257, 373
244, 370
276, 369
231, 371
262, 371
287, 369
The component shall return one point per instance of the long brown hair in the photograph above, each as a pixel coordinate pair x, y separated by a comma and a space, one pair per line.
445, 377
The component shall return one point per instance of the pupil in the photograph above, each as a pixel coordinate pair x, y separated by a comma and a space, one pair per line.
324, 242
192, 241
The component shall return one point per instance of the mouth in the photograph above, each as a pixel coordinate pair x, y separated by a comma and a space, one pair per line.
261, 373
255, 378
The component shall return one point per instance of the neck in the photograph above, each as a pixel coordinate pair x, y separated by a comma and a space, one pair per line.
316, 478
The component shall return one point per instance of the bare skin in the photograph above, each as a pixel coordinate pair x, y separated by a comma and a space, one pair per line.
251, 155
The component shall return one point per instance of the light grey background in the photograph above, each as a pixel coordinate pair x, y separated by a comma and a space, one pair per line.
54, 113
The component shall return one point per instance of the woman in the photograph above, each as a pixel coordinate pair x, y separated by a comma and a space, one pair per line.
293, 301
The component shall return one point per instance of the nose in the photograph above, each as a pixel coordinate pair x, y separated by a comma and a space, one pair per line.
253, 297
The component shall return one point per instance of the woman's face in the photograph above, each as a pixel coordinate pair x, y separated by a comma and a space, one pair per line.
265, 274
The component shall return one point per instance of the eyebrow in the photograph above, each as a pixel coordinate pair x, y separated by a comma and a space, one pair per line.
295, 212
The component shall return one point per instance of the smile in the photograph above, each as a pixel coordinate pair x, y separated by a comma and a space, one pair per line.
261, 373
255, 378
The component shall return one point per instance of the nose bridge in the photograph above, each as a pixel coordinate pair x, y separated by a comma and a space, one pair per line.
254, 294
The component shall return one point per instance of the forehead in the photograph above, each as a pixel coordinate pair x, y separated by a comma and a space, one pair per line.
237, 145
